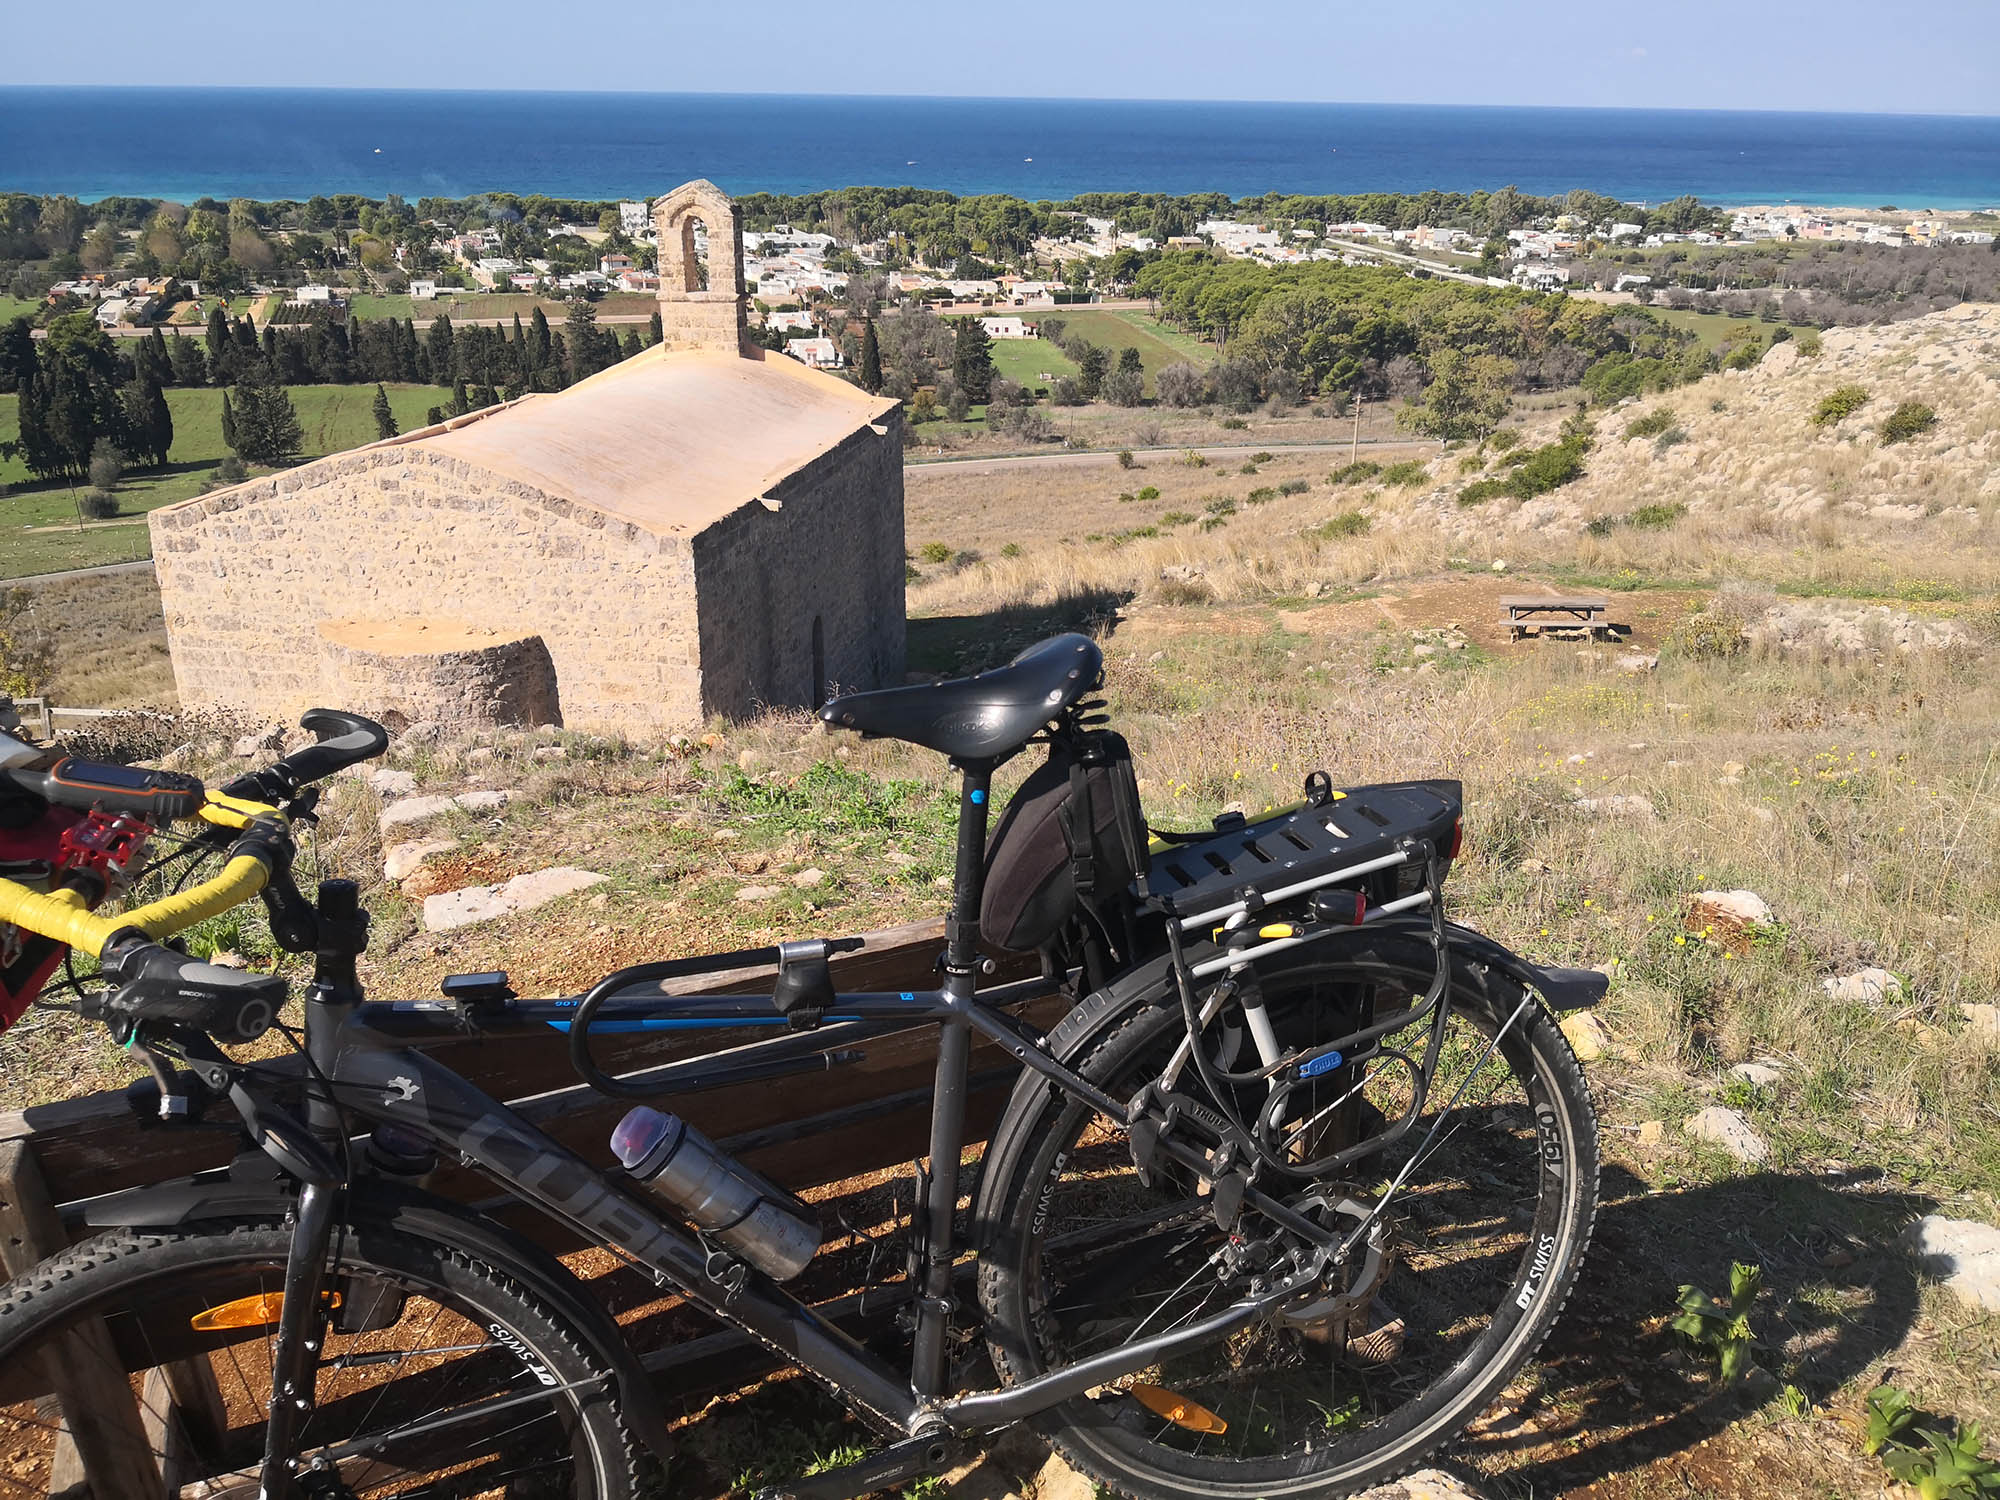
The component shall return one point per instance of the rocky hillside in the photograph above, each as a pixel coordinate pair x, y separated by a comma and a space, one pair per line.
1753, 449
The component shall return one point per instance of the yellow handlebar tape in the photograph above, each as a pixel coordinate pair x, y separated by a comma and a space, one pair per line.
56, 917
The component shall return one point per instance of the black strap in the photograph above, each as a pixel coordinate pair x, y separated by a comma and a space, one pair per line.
1080, 829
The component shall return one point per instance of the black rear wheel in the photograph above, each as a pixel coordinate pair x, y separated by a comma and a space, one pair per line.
149, 1354
1480, 1245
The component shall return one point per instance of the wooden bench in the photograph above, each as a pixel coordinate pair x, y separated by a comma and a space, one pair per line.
871, 1114
1533, 616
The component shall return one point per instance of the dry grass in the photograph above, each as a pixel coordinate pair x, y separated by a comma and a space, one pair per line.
109, 640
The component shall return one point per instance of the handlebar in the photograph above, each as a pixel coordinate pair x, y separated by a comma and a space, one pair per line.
157, 983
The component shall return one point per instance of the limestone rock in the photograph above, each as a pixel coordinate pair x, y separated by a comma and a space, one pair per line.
479, 755
410, 811
223, 958
1729, 1130
1963, 1253
265, 739
1983, 1020
407, 811
402, 860
388, 783
1634, 662
807, 879
1652, 1132
483, 903
1729, 919
1865, 987
1759, 1075
756, 892
1587, 1037
1619, 805
548, 752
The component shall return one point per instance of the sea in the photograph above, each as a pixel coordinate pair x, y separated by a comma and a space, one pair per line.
188, 143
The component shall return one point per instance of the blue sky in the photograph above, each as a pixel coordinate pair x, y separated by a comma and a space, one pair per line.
1931, 56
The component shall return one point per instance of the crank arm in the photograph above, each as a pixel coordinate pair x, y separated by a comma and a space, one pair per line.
913, 1458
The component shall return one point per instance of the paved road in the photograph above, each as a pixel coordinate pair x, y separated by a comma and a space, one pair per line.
96, 572
1104, 458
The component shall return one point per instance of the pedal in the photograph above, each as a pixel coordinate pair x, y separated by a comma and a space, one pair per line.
913, 1458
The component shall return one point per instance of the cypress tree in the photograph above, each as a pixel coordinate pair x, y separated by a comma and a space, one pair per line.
541, 348
629, 345
153, 361
655, 335
385, 419
229, 433
871, 359
217, 339
972, 360
17, 355
440, 351
149, 421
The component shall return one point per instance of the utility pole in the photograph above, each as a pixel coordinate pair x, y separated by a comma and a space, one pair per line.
1354, 448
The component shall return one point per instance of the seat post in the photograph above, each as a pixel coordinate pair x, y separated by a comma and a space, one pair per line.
969, 877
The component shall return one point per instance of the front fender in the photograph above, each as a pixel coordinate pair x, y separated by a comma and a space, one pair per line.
252, 1187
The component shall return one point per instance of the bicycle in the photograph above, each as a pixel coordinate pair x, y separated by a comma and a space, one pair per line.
1205, 1256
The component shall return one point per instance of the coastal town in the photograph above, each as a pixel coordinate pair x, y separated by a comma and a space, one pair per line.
392, 263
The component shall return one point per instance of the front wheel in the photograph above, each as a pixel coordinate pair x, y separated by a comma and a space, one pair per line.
1483, 1239
145, 1357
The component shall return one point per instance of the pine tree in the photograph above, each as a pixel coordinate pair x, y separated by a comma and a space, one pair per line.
871, 359
1129, 362
190, 364
629, 345
385, 419
972, 360
656, 335
580, 334
267, 426
229, 433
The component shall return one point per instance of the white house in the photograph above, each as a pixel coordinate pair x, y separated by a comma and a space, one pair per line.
1542, 278
423, 291
313, 292
1007, 328
612, 264
786, 322
821, 354
1629, 280
635, 220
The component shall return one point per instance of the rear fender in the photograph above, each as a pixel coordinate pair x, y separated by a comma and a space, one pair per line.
252, 1188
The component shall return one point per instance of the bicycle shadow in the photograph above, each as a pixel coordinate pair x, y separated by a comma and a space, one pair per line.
1618, 1388
950, 645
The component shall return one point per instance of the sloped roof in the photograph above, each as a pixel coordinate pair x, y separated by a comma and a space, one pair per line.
670, 440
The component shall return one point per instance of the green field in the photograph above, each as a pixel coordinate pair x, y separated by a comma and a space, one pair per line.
1713, 329
490, 305
1026, 360
16, 307
335, 417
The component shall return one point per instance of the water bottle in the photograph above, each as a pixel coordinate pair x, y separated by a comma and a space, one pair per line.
763, 1224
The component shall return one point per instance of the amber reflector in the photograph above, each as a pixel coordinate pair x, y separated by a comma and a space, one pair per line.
1177, 1409
259, 1311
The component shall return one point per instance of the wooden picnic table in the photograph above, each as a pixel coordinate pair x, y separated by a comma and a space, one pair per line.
1530, 615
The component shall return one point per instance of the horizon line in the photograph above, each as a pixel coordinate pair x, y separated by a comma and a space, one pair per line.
338, 88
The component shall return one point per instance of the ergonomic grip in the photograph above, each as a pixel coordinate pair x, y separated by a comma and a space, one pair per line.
158, 984
345, 739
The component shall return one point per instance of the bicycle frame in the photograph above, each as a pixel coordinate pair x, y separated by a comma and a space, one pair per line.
371, 1055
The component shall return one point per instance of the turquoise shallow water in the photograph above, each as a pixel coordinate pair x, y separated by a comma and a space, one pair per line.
290, 143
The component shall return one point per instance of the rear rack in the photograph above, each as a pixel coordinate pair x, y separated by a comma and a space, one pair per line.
1369, 838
